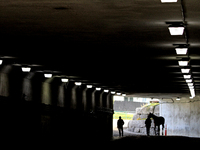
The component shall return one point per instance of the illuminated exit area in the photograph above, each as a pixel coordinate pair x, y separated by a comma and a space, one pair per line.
126, 108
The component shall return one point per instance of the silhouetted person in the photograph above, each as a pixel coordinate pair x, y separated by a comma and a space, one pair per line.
120, 124
148, 125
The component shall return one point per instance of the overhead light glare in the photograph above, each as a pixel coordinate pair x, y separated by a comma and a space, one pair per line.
178, 99
123, 94
183, 63
189, 80
119, 93
190, 84
192, 92
112, 92
176, 30
187, 76
185, 70
64, 80
89, 86
26, 69
169, 1
191, 87
78, 83
106, 91
98, 89
47, 75
181, 51
1, 61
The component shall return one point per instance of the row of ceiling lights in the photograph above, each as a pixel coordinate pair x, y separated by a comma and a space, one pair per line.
177, 28
27, 69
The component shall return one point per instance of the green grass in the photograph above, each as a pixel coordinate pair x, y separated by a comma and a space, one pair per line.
124, 115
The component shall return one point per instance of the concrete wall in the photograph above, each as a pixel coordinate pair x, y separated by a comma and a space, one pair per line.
182, 118
126, 105
32, 105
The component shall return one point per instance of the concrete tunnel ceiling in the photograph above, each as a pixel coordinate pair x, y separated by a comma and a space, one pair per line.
122, 45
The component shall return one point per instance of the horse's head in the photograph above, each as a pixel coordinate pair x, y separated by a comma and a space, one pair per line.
150, 115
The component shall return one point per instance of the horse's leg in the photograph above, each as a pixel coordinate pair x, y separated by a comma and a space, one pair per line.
158, 130
162, 128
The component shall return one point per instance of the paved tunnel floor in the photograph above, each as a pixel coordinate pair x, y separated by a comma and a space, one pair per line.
154, 142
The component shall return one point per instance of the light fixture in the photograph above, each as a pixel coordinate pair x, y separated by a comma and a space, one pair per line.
118, 93
89, 86
112, 92
98, 89
178, 98
185, 70
64, 80
168, 1
26, 69
78, 83
192, 92
191, 87
188, 80
123, 94
190, 84
1, 61
181, 51
47, 75
106, 91
187, 76
183, 63
176, 29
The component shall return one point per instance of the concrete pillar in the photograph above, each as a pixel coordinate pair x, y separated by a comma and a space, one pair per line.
93, 103
32, 87
105, 99
11, 82
61, 95
4, 80
101, 99
90, 99
98, 98
68, 94
84, 99
108, 100
73, 96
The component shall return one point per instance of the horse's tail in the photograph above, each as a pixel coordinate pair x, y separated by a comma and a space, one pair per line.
163, 122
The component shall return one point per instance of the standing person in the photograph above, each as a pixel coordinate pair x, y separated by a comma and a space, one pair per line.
120, 124
148, 125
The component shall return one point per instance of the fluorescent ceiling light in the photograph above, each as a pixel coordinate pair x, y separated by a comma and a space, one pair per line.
191, 87
64, 80
47, 75
183, 63
98, 89
106, 91
168, 1
192, 92
112, 92
89, 86
185, 70
176, 30
187, 76
189, 80
26, 69
78, 83
1, 61
123, 94
118, 93
190, 84
181, 51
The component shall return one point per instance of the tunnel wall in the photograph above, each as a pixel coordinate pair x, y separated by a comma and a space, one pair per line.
33, 106
182, 118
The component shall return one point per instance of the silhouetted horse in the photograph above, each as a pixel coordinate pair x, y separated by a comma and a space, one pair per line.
157, 122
